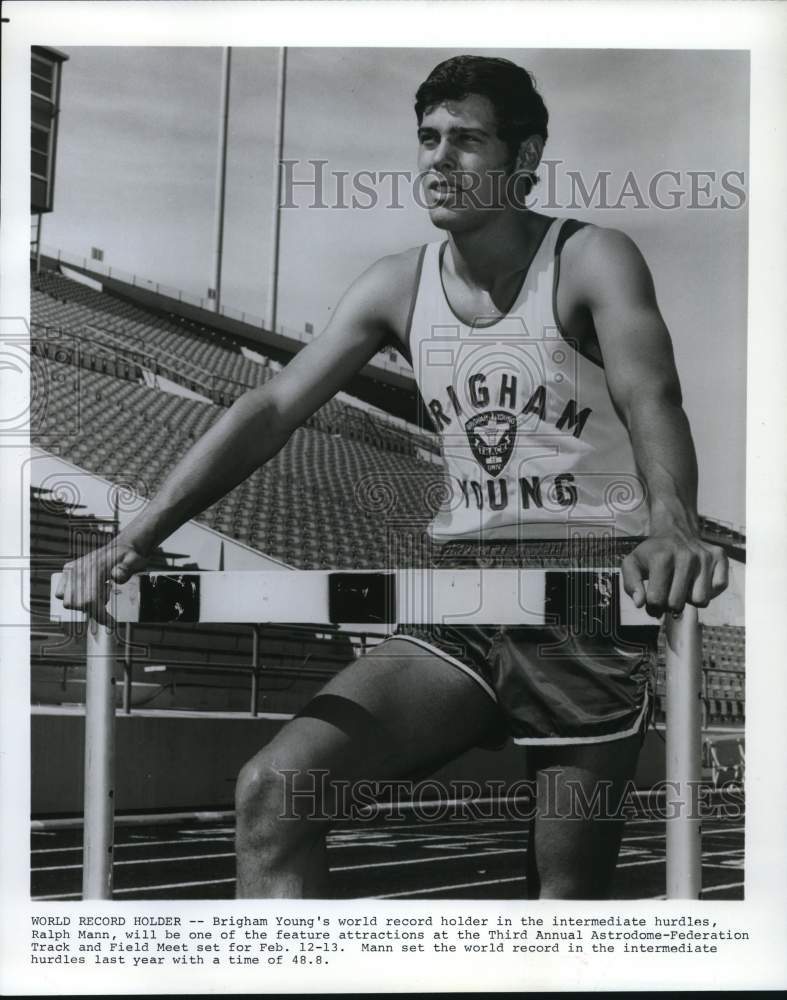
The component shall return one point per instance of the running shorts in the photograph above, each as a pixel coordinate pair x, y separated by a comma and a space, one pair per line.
554, 684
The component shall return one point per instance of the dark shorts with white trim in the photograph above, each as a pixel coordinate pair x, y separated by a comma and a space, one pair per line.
552, 686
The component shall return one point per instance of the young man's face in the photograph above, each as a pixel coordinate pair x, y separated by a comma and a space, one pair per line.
463, 163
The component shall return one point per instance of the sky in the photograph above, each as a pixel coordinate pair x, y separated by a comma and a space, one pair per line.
136, 176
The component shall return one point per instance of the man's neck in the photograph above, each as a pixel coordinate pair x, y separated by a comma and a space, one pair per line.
487, 256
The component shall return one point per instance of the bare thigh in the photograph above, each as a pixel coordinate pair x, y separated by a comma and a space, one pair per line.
398, 711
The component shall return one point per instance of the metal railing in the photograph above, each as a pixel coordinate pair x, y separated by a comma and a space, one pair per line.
215, 387
255, 670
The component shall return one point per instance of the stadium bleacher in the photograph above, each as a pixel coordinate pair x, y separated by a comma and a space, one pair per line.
123, 430
65, 311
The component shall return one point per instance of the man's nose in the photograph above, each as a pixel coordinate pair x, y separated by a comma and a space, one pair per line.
443, 156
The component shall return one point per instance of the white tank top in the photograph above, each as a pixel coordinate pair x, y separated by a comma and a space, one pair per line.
531, 441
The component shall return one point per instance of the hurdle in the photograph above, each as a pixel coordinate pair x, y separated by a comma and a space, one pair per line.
683, 752
355, 599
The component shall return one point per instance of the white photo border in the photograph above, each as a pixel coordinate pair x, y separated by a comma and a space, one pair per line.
759, 27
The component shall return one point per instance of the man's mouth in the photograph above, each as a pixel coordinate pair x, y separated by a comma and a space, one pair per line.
442, 191
442, 186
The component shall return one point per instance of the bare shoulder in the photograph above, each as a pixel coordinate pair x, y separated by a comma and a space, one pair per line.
403, 264
600, 245
395, 275
388, 286
597, 259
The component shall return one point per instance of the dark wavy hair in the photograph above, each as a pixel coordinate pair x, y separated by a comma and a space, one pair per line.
519, 108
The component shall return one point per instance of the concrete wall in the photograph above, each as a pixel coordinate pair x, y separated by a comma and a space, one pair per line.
170, 762
162, 762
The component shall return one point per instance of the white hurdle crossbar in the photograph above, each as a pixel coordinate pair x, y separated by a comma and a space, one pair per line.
355, 600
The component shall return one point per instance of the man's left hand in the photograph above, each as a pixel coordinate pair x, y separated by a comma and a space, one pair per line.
674, 568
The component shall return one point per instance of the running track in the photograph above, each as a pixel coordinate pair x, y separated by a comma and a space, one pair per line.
450, 858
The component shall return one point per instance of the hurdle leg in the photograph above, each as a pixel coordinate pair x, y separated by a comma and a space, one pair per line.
684, 734
99, 764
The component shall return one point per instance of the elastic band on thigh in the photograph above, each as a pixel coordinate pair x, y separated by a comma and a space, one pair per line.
352, 719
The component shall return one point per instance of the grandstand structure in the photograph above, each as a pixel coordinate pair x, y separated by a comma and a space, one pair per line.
124, 380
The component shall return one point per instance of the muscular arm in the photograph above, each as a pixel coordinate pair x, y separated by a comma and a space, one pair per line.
644, 385
252, 430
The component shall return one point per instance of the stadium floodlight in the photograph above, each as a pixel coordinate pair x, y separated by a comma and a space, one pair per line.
357, 598
221, 176
278, 152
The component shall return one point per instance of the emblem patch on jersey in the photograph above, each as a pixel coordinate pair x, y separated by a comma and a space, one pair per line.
491, 436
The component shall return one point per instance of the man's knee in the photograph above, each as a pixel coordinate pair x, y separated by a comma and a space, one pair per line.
278, 802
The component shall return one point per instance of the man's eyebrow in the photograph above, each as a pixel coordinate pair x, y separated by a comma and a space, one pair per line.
457, 130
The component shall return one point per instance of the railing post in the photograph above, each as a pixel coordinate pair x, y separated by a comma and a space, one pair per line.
128, 664
99, 763
683, 772
255, 667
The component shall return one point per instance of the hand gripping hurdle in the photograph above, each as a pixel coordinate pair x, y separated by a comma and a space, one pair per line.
358, 599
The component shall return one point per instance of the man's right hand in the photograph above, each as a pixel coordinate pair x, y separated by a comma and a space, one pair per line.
85, 584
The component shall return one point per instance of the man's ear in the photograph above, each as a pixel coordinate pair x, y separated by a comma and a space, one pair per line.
528, 156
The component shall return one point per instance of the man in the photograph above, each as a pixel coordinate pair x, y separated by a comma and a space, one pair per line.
560, 388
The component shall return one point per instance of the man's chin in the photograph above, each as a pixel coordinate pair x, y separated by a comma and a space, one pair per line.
459, 220
451, 219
